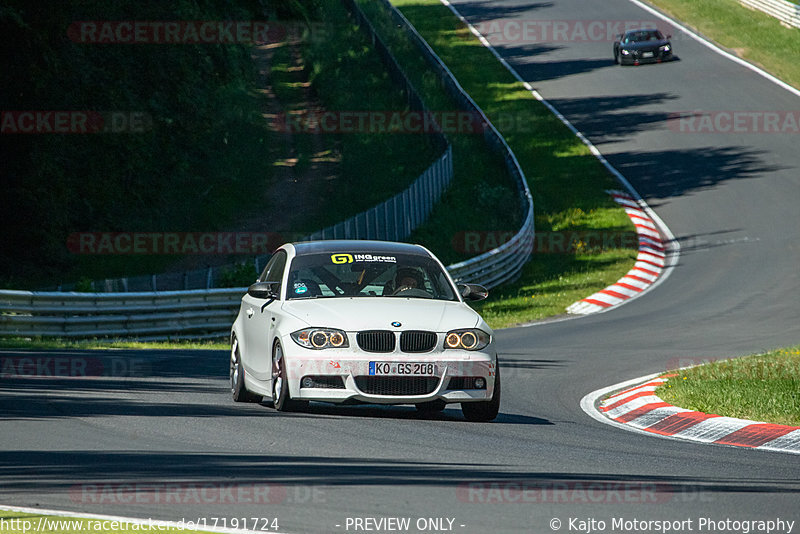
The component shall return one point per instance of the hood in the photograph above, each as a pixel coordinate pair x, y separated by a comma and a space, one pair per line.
370, 313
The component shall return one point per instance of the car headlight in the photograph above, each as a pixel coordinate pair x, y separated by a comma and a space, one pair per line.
665, 48
625, 52
471, 339
320, 338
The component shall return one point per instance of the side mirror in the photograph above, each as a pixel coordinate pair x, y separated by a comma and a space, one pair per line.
264, 290
473, 291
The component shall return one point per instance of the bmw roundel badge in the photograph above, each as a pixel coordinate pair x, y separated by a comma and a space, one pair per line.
396, 324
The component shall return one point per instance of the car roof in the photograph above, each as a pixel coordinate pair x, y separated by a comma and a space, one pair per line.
642, 30
358, 247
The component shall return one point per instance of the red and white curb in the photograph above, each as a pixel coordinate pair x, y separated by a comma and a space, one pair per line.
639, 409
650, 262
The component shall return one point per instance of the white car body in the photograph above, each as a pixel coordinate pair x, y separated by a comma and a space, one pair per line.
265, 352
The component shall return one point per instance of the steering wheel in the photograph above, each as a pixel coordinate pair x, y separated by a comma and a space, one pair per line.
408, 291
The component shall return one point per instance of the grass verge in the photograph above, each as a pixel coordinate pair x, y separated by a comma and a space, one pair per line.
16, 522
762, 387
753, 35
568, 183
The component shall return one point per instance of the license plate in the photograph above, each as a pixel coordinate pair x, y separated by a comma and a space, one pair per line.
402, 368
647, 54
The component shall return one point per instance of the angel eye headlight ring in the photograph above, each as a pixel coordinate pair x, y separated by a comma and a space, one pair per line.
320, 338
452, 341
468, 339
336, 339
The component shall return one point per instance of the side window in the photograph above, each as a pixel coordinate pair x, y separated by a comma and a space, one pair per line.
273, 272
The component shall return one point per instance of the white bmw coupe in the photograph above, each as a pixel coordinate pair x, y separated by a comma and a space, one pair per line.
363, 322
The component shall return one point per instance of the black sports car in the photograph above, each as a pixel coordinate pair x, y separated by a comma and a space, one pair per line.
642, 46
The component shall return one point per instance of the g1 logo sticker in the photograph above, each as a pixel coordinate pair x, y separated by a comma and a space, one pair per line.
339, 259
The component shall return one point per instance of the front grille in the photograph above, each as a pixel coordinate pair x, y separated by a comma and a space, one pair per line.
417, 341
324, 382
397, 385
376, 340
464, 382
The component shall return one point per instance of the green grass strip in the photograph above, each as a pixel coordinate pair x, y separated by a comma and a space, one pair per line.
753, 35
41, 343
762, 387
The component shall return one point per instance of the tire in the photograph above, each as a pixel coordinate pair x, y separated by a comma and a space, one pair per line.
484, 411
238, 390
431, 407
616, 58
281, 399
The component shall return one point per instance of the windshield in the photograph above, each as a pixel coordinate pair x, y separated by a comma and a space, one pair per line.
644, 35
367, 275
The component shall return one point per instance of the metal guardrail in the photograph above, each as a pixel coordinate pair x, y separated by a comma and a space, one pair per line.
210, 312
786, 12
395, 219
147, 315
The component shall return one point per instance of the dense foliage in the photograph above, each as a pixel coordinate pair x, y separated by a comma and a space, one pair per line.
186, 167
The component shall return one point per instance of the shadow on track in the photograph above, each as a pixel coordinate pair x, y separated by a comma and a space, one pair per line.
148, 384
606, 118
700, 168
37, 471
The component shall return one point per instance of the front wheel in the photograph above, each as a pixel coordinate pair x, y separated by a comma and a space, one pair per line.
238, 390
484, 411
281, 399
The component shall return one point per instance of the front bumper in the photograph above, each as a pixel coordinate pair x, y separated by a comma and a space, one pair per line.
638, 57
352, 368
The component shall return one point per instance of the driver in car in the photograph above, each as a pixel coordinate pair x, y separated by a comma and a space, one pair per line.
407, 278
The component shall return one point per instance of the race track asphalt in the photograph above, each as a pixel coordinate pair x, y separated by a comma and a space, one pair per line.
729, 198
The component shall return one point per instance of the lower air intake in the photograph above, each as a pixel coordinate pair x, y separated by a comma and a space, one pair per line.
397, 385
